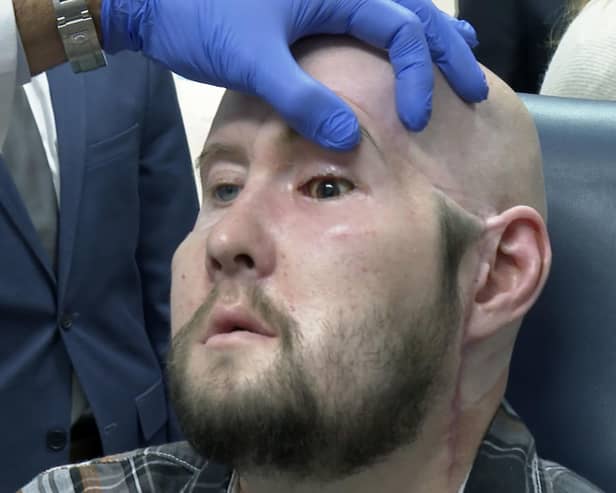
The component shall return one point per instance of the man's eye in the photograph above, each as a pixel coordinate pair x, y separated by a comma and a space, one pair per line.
226, 192
327, 187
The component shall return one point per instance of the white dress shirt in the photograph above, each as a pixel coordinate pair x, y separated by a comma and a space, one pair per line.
14, 71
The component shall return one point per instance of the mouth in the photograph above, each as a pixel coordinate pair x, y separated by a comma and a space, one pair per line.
233, 324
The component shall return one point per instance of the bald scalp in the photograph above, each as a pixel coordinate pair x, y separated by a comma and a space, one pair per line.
485, 157
489, 153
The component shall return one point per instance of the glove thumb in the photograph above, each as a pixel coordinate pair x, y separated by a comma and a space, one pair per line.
306, 105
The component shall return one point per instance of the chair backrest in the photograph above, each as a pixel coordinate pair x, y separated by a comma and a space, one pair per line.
563, 374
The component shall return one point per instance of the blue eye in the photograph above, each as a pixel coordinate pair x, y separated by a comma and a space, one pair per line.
226, 192
327, 187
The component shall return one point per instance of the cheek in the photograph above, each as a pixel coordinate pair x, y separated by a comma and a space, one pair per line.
357, 259
319, 254
313, 270
188, 276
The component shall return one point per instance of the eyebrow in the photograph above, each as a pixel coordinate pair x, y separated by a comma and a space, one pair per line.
217, 151
289, 136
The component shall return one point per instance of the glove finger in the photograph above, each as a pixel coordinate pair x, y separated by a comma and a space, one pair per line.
455, 59
410, 58
386, 25
464, 29
306, 105
450, 51
463, 72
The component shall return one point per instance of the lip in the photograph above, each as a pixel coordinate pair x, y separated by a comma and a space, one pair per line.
226, 320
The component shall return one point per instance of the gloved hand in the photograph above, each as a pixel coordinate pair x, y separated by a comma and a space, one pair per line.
244, 45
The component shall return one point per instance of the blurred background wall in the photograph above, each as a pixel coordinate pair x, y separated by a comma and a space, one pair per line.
199, 101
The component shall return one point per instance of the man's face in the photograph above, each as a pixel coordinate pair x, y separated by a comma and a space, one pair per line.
338, 258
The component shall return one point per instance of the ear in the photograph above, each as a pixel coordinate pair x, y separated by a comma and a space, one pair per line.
514, 265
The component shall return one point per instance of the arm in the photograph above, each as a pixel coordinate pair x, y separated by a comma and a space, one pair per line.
215, 41
584, 64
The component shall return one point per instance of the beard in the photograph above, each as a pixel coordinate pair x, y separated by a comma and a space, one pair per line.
321, 411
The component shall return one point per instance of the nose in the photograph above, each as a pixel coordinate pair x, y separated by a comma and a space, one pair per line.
240, 245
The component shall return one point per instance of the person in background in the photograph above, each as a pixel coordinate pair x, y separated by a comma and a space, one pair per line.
96, 192
584, 64
514, 37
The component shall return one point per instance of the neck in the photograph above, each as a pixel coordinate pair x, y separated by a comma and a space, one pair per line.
439, 461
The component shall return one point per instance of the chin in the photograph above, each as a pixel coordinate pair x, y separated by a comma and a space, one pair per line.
228, 368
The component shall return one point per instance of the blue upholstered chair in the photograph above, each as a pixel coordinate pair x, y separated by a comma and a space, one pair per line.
563, 376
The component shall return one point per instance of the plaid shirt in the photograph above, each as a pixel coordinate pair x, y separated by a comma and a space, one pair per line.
506, 463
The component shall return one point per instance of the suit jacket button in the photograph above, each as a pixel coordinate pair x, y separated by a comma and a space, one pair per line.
66, 322
56, 440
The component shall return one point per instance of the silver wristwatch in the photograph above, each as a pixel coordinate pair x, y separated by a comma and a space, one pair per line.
78, 35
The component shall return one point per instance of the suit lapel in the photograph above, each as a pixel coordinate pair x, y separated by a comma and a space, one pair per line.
12, 203
68, 98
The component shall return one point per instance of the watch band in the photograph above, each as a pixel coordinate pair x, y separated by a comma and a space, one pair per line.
78, 34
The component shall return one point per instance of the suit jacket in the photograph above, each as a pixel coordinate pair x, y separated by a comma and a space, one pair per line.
515, 37
127, 200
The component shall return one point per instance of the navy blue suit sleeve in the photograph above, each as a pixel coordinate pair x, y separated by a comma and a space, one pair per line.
168, 201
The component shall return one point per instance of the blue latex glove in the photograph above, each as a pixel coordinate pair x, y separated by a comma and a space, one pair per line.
244, 45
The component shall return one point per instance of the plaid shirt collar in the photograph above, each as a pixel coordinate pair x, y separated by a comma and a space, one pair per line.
506, 462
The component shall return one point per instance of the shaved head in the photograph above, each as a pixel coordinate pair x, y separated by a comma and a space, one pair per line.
391, 280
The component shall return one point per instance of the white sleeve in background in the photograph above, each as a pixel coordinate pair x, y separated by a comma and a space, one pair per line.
584, 64
13, 65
